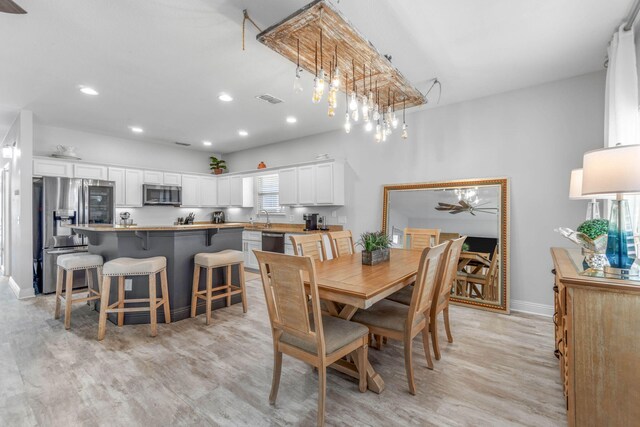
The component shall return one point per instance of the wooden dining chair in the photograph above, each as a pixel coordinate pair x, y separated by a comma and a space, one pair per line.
341, 243
487, 281
400, 322
444, 237
420, 238
309, 245
311, 337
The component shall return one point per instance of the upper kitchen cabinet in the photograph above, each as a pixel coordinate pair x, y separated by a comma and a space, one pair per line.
117, 175
84, 171
191, 192
153, 177
288, 186
319, 184
306, 185
241, 191
47, 167
224, 191
171, 178
208, 191
128, 186
162, 178
329, 183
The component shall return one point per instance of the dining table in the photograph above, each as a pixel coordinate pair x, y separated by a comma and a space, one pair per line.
346, 285
470, 263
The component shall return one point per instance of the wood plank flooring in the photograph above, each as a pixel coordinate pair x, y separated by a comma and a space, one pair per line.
500, 370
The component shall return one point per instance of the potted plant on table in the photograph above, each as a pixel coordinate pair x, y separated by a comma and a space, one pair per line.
375, 245
217, 165
591, 236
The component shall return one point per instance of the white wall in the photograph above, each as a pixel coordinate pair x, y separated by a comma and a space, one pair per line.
534, 136
20, 246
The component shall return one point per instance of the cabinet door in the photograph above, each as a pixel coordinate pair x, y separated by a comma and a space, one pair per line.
224, 191
324, 183
288, 183
133, 187
43, 167
236, 191
117, 175
172, 178
208, 192
90, 171
306, 187
190, 190
252, 260
153, 177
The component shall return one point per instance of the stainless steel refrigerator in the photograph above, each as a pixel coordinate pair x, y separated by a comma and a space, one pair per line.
64, 201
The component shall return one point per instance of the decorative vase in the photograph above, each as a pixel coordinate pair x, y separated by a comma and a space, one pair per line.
594, 253
262, 165
218, 171
375, 257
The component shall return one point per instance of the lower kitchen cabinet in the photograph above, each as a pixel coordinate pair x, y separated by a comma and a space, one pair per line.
250, 260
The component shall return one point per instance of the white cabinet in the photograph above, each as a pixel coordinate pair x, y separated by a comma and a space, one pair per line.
46, 167
329, 184
117, 175
241, 191
251, 240
190, 190
90, 171
288, 182
170, 178
306, 186
153, 177
208, 192
224, 191
133, 179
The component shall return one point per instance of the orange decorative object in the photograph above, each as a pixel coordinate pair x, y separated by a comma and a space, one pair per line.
261, 165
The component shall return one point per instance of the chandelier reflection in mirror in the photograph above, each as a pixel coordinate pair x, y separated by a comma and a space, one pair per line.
468, 201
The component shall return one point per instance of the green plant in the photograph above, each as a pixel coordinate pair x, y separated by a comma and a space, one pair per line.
374, 240
465, 247
594, 228
216, 163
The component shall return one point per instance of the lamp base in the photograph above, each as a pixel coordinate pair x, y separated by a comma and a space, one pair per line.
593, 210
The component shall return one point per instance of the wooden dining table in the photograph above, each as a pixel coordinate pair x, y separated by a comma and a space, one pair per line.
346, 285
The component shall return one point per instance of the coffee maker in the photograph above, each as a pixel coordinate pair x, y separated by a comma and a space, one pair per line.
310, 221
217, 217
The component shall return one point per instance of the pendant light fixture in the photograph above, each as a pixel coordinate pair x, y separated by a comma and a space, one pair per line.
371, 103
335, 79
317, 90
394, 119
405, 133
376, 110
378, 135
347, 119
353, 104
365, 100
333, 94
297, 83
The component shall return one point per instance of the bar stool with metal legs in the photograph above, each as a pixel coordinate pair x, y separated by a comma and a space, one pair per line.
126, 267
227, 259
67, 264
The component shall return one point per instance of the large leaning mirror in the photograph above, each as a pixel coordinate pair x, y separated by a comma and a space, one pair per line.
476, 208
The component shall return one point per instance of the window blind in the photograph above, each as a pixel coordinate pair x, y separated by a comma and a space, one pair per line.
268, 194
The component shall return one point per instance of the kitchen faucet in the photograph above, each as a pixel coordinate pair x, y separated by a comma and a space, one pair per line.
268, 223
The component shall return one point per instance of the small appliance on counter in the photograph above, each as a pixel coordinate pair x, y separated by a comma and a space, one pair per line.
310, 221
188, 220
125, 219
322, 223
217, 217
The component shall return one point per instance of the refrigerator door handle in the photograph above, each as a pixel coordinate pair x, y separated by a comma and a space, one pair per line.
64, 251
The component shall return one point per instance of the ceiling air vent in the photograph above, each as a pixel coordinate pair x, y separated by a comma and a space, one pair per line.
269, 98
184, 144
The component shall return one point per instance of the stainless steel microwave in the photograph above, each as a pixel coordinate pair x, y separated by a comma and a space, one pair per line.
162, 195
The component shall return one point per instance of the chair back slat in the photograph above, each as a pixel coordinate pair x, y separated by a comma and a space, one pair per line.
449, 276
429, 272
341, 243
311, 245
420, 238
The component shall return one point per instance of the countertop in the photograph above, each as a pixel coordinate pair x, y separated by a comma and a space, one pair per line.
282, 228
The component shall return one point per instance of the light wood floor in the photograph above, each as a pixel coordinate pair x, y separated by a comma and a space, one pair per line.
499, 371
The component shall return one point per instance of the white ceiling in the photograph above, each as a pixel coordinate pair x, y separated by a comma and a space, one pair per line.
161, 64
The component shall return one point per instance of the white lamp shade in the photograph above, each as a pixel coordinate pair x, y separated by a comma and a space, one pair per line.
611, 170
575, 186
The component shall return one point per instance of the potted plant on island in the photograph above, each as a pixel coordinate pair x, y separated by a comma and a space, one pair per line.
216, 165
375, 245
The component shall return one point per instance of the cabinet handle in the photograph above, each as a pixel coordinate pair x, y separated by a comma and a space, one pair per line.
553, 271
555, 289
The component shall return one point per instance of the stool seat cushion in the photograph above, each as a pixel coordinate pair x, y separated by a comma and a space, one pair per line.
219, 259
134, 266
337, 333
79, 261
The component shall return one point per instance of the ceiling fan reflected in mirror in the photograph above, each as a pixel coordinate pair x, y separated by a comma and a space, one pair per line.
463, 206
8, 6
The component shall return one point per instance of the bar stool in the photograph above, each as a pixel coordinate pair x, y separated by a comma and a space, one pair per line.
67, 264
227, 258
125, 267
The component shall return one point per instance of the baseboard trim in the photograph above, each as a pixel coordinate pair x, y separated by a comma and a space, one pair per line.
19, 292
532, 308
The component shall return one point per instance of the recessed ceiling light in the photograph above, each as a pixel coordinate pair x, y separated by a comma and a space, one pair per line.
291, 119
88, 90
242, 132
207, 143
225, 97
136, 129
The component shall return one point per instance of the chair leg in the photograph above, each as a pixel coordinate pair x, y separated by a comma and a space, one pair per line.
104, 302
165, 296
434, 336
68, 296
425, 344
447, 326
408, 363
242, 287
209, 292
120, 300
153, 310
275, 381
88, 273
228, 283
194, 289
378, 341
59, 280
362, 364
322, 391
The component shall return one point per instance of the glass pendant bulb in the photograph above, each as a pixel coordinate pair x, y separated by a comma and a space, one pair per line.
376, 113
355, 115
321, 83
384, 136
331, 111
371, 102
347, 123
394, 120
317, 92
353, 103
404, 134
365, 109
368, 126
297, 83
335, 80
378, 132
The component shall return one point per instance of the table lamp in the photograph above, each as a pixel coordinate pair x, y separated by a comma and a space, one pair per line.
575, 193
615, 170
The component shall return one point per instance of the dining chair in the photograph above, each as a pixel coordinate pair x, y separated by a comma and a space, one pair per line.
400, 322
448, 236
487, 280
304, 333
309, 245
420, 238
341, 243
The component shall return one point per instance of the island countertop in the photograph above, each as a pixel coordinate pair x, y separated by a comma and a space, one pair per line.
197, 226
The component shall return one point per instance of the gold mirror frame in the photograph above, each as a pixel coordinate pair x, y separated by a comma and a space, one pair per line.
503, 307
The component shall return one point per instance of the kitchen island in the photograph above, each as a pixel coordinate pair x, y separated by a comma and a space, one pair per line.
178, 244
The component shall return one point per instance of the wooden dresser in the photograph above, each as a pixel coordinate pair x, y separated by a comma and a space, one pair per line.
597, 332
